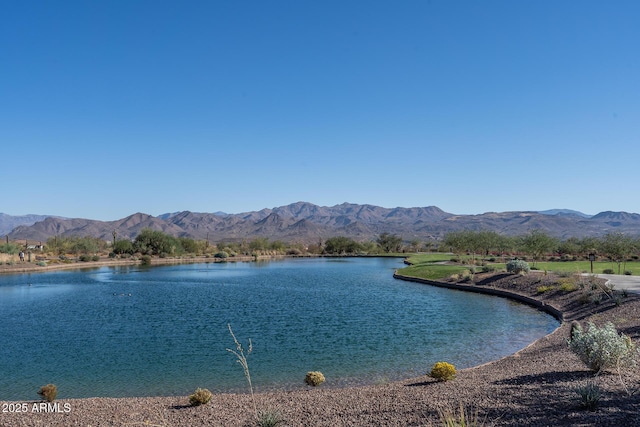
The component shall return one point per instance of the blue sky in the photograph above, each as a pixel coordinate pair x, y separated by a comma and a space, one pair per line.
108, 108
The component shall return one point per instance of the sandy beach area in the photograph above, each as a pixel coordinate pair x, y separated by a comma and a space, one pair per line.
534, 387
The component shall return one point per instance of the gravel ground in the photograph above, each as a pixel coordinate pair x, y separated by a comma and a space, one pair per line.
533, 387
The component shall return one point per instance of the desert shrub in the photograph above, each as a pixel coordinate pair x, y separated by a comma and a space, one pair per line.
568, 285
443, 371
221, 254
314, 378
269, 418
596, 298
602, 348
589, 395
608, 271
112, 255
145, 260
84, 258
628, 273
41, 263
584, 298
95, 258
241, 357
544, 288
463, 418
617, 298
200, 397
488, 268
518, 266
48, 392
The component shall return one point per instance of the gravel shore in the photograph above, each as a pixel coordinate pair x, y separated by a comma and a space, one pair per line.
534, 387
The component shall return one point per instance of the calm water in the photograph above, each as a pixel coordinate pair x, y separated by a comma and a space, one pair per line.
138, 331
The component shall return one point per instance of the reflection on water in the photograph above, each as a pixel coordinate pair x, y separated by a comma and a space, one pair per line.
128, 331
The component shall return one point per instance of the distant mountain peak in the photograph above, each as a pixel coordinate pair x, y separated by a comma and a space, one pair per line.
564, 212
306, 222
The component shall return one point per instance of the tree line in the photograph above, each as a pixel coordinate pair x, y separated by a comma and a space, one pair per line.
536, 245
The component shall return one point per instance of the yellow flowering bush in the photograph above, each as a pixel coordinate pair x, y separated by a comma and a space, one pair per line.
314, 378
200, 397
443, 371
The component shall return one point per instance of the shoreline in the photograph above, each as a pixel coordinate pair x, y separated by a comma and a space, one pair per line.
532, 387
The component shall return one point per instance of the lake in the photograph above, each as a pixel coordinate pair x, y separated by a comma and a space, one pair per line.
161, 331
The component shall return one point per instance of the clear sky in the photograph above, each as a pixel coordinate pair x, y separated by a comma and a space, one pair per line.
109, 107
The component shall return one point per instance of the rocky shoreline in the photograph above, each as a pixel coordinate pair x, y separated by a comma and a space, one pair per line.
533, 387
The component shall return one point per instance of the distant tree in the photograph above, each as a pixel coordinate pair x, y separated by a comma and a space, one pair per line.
618, 247
123, 247
464, 241
9, 248
341, 245
588, 245
278, 246
537, 243
370, 247
154, 242
259, 244
570, 246
390, 242
486, 241
189, 246
505, 244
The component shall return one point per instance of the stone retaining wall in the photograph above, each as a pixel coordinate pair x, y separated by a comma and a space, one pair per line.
540, 305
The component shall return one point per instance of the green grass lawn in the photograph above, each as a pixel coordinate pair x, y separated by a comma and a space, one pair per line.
425, 265
429, 257
432, 271
585, 266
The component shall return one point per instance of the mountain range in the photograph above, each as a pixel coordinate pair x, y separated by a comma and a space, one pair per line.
307, 223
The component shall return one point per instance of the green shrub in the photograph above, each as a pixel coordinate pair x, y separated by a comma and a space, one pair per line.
608, 271
463, 418
314, 378
145, 260
518, 266
269, 418
584, 298
568, 284
95, 258
602, 348
41, 263
443, 371
201, 396
544, 288
488, 268
222, 255
628, 273
48, 392
84, 258
589, 395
